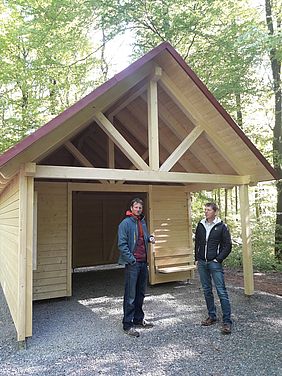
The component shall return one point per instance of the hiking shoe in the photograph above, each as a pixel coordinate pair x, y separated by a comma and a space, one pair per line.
226, 328
208, 322
144, 324
132, 332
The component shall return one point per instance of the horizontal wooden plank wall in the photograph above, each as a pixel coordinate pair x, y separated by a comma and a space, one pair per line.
171, 226
50, 276
9, 245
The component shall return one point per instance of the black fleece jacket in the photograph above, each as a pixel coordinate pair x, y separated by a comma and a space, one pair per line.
218, 246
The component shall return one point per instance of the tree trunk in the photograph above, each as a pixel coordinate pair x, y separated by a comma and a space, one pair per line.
236, 199
277, 130
219, 199
239, 110
257, 204
225, 204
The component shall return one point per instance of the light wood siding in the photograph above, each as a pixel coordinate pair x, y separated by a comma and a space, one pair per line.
50, 276
170, 222
9, 245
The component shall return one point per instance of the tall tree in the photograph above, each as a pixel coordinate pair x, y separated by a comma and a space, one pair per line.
273, 11
47, 60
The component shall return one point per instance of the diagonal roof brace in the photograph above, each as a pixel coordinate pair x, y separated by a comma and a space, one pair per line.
120, 141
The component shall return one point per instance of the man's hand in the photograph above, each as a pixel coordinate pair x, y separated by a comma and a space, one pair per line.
152, 239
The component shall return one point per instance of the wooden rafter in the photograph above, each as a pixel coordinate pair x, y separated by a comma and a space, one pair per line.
120, 141
77, 154
128, 100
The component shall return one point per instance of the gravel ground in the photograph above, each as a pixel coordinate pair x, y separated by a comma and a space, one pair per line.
83, 335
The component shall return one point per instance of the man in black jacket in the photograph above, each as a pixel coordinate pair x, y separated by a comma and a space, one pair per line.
212, 246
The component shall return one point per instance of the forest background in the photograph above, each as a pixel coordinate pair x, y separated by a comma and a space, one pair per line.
53, 53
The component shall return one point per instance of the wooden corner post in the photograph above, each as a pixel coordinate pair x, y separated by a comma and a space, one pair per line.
246, 238
26, 197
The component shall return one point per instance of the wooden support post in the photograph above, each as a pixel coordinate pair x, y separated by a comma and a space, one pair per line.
26, 197
153, 128
21, 306
22, 345
189, 229
246, 237
29, 254
151, 228
69, 244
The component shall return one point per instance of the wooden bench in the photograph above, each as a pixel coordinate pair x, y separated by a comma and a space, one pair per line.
173, 261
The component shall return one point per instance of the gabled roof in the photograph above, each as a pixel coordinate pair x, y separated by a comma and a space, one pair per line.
185, 107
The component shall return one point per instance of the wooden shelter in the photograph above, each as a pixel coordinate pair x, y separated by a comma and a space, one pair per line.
153, 130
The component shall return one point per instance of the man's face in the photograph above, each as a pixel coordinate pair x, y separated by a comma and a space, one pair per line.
136, 209
209, 214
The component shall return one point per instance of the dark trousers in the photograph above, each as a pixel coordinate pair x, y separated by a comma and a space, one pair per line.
134, 293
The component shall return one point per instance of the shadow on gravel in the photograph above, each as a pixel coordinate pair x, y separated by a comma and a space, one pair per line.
83, 335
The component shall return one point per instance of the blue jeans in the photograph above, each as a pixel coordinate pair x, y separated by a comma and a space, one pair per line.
208, 271
134, 293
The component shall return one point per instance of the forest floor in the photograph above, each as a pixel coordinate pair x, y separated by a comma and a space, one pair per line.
270, 282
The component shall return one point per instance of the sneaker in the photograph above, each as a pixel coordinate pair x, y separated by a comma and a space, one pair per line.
132, 332
208, 322
144, 324
226, 328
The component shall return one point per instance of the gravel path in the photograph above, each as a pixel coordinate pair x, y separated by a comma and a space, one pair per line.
83, 335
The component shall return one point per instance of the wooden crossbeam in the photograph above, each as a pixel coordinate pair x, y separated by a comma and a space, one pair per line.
64, 172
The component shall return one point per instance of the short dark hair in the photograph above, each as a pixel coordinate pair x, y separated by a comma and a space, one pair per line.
212, 205
137, 200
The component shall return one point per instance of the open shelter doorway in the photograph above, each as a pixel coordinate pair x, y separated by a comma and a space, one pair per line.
95, 218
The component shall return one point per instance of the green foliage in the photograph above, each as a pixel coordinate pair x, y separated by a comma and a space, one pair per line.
46, 62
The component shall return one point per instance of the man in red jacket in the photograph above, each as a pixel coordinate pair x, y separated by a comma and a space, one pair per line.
133, 239
212, 246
